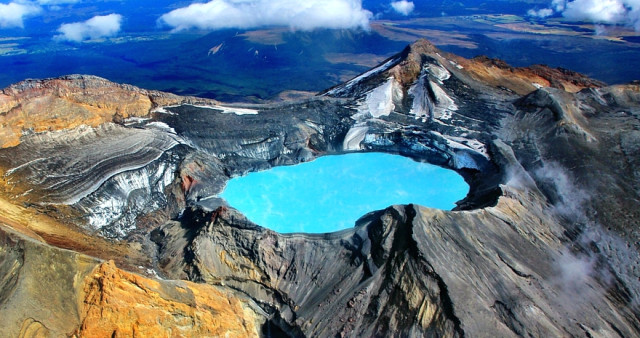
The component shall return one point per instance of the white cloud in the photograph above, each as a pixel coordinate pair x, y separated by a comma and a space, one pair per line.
608, 11
558, 5
94, 28
618, 12
304, 15
542, 13
13, 14
600, 30
403, 7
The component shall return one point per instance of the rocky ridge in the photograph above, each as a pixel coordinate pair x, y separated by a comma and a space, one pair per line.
545, 244
67, 102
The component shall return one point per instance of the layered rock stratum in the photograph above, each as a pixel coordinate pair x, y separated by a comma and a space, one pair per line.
111, 224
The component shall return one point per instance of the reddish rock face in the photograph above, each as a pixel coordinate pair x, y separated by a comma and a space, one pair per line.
495, 72
187, 182
523, 80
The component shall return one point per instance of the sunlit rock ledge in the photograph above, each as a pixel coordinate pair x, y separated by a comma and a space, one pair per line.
544, 244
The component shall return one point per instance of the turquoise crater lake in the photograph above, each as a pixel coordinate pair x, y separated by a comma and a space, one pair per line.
332, 192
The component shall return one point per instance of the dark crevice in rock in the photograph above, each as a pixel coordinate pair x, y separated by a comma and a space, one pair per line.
447, 304
396, 255
191, 221
616, 330
512, 268
276, 327
272, 329
483, 189
11, 262
509, 319
586, 330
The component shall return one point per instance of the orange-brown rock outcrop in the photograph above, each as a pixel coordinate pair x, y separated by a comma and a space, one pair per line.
117, 303
70, 101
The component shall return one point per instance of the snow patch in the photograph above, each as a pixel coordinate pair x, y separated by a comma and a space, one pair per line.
229, 110
377, 140
440, 73
73, 199
462, 150
24, 165
445, 106
379, 102
463, 159
464, 143
262, 149
598, 97
223, 109
162, 110
422, 106
161, 126
354, 137
419, 147
357, 79
457, 65
135, 120
237, 111
126, 195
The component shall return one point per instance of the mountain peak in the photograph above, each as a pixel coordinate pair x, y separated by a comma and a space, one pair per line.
407, 66
423, 46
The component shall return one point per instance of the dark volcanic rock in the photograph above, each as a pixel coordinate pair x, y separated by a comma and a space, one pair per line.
299, 278
413, 270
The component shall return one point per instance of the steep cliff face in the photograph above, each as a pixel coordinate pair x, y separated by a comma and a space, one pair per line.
545, 243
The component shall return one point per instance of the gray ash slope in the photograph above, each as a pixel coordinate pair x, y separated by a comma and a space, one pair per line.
545, 244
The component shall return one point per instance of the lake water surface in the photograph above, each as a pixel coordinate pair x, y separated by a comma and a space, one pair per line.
332, 192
